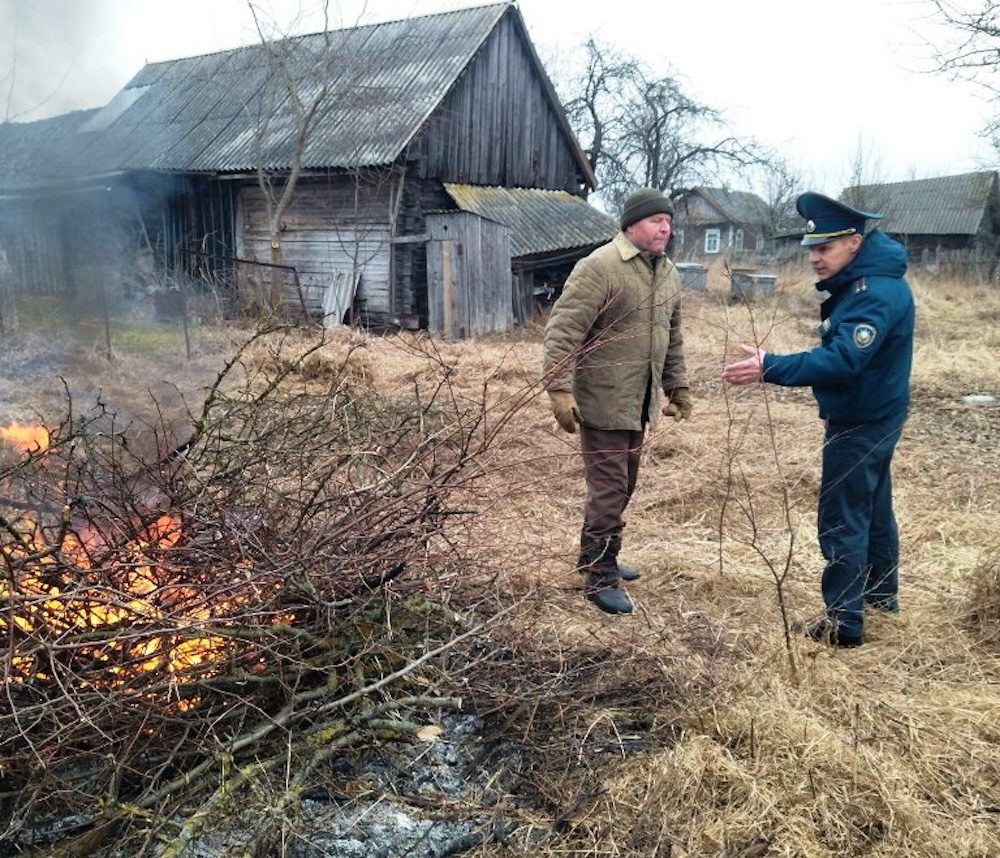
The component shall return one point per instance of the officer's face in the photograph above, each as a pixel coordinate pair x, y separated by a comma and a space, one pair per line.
651, 233
827, 259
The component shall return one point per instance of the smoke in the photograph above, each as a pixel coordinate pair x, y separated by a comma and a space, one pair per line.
59, 55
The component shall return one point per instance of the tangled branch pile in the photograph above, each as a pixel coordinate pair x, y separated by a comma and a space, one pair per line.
174, 609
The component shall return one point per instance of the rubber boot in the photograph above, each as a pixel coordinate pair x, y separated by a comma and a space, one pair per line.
626, 573
598, 565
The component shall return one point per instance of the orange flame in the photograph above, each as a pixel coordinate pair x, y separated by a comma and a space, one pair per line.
149, 596
26, 437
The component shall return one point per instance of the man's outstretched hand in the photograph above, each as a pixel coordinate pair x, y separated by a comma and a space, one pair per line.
748, 370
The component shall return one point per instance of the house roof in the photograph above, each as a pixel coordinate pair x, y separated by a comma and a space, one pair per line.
739, 207
231, 111
31, 150
539, 221
946, 205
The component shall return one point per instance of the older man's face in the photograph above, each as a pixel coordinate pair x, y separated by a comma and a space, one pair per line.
650, 234
827, 259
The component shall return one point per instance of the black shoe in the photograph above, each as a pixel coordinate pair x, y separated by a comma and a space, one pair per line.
828, 632
627, 573
609, 599
886, 605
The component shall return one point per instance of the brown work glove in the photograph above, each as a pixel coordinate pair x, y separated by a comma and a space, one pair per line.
679, 403
565, 409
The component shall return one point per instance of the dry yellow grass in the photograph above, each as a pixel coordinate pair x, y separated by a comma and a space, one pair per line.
689, 728
889, 750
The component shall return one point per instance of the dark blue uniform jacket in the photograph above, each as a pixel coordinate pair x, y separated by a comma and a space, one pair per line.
860, 373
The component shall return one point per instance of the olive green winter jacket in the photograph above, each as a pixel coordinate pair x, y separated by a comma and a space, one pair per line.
616, 326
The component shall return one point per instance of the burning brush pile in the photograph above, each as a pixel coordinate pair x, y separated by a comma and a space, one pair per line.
187, 615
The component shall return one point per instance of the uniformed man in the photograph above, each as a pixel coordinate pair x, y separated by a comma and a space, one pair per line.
860, 376
613, 342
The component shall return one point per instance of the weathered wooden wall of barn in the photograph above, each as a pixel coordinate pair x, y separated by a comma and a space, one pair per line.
31, 241
469, 288
498, 125
409, 248
183, 215
76, 243
335, 225
117, 239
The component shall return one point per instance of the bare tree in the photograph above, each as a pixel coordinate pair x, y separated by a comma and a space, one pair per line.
36, 56
779, 185
592, 109
866, 183
308, 80
975, 53
639, 128
298, 89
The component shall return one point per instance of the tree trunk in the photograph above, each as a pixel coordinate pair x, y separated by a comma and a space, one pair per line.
277, 281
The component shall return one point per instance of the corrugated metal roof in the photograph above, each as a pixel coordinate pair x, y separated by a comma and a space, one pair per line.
29, 150
946, 205
539, 221
228, 111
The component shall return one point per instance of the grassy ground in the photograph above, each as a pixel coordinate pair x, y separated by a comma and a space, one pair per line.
695, 726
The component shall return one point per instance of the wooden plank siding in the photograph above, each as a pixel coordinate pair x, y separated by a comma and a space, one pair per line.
468, 275
33, 248
410, 248
498, 126
333, 226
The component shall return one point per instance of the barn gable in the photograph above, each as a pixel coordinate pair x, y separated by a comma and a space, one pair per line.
514, 135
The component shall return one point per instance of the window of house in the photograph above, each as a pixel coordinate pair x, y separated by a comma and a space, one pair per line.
760, 243
738, 241
713, 238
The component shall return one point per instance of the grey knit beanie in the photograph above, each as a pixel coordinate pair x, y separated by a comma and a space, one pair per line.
643, 203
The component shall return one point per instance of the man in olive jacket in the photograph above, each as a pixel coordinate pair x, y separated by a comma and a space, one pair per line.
612, 343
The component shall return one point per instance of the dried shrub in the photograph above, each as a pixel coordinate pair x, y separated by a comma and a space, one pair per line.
185, 615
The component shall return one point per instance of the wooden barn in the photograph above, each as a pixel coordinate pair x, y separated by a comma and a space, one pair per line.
947, 221
378, 128
710, 223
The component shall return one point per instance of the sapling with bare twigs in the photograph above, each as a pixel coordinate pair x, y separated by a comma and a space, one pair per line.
739, 492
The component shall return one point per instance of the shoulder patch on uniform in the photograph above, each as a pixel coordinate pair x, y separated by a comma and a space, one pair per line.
864, 335
861, 286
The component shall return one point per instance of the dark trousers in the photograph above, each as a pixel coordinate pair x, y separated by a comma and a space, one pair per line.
857, 528
611, 468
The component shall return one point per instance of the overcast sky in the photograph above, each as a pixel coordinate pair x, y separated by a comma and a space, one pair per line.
816, 81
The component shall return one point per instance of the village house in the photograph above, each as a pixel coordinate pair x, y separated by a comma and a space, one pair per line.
947, 221
712, 223
437, 181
